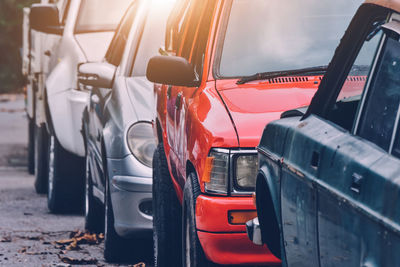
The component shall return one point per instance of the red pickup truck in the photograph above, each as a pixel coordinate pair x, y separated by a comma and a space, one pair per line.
230, 67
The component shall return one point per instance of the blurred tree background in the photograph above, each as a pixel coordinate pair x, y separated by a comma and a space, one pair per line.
11, 16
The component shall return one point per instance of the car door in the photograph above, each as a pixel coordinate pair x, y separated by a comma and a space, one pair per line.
184, 39
355, 191
300, 163
100, 96
194, 51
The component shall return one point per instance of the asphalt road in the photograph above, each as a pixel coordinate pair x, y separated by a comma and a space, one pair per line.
29, 235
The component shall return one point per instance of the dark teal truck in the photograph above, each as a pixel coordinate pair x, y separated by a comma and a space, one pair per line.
328, 186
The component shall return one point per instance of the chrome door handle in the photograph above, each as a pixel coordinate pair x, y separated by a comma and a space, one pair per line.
356, 183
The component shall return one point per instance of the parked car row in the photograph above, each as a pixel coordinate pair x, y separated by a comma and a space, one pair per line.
148, 115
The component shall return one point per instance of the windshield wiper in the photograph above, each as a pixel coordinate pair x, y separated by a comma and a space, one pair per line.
285, 73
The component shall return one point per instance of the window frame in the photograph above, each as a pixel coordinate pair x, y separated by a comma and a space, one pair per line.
110, 54
344, 58
360, 112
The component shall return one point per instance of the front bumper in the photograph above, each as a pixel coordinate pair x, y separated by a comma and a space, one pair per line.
131, 197
225, 243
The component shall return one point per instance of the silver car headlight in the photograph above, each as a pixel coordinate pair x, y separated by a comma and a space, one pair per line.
246, 168
141, 142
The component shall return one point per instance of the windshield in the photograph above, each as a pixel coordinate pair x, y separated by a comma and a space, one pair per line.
100, 15
278, 35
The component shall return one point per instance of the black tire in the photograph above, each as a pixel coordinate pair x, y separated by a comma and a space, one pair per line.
66, 179
192, 251
31, 146
41, 163
117, 248
94, 211
167, 214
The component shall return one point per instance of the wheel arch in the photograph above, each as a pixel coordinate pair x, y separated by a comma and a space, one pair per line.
268, 211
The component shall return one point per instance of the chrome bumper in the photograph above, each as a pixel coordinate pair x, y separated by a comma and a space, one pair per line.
254, 231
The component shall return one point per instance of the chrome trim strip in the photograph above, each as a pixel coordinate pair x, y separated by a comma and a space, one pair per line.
269, 154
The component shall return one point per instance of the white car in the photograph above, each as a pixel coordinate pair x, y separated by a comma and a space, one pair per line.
84, 37
36, 48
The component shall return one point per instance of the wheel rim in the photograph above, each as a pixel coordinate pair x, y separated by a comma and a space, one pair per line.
187, 242
51, 168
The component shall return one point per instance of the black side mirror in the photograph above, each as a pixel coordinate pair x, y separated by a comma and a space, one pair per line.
100, 75
171, 70
45, 18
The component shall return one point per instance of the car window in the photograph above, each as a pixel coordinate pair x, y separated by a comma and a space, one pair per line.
345, 109
203, 30
192, 20
175, 24
100, 15
64, 11
152, 37
279, 35
381, 107
117, 46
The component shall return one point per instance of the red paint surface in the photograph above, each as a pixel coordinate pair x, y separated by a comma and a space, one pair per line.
234, 248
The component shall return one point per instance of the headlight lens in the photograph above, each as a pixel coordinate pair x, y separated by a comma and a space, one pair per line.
246, 167
141, 142
218, 182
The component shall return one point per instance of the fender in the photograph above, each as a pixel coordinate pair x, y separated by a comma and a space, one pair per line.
267, 200
65, 106
273, 188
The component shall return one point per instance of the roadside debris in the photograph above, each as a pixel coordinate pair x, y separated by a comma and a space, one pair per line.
78, 238
70, 260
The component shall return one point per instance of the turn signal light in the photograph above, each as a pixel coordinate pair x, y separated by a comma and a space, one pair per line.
207, 170
241, 217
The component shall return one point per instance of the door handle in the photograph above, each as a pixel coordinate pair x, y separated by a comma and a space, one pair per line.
169, 91
356, 183
47, 53
315, 160
95, 99
178, 101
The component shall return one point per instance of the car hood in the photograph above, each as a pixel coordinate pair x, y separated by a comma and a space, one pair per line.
140, 92
253, 106
94, 45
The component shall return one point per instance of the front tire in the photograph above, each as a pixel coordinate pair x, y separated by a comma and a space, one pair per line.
193, 254
31, 146
65, 179
41, 162
94, 212
167, 222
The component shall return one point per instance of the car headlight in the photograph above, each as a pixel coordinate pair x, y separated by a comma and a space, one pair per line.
141, 142
216, 175
246, 168
217, 172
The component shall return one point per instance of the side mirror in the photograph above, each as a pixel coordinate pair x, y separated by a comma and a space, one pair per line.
100, 75
171, 70
45, 18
